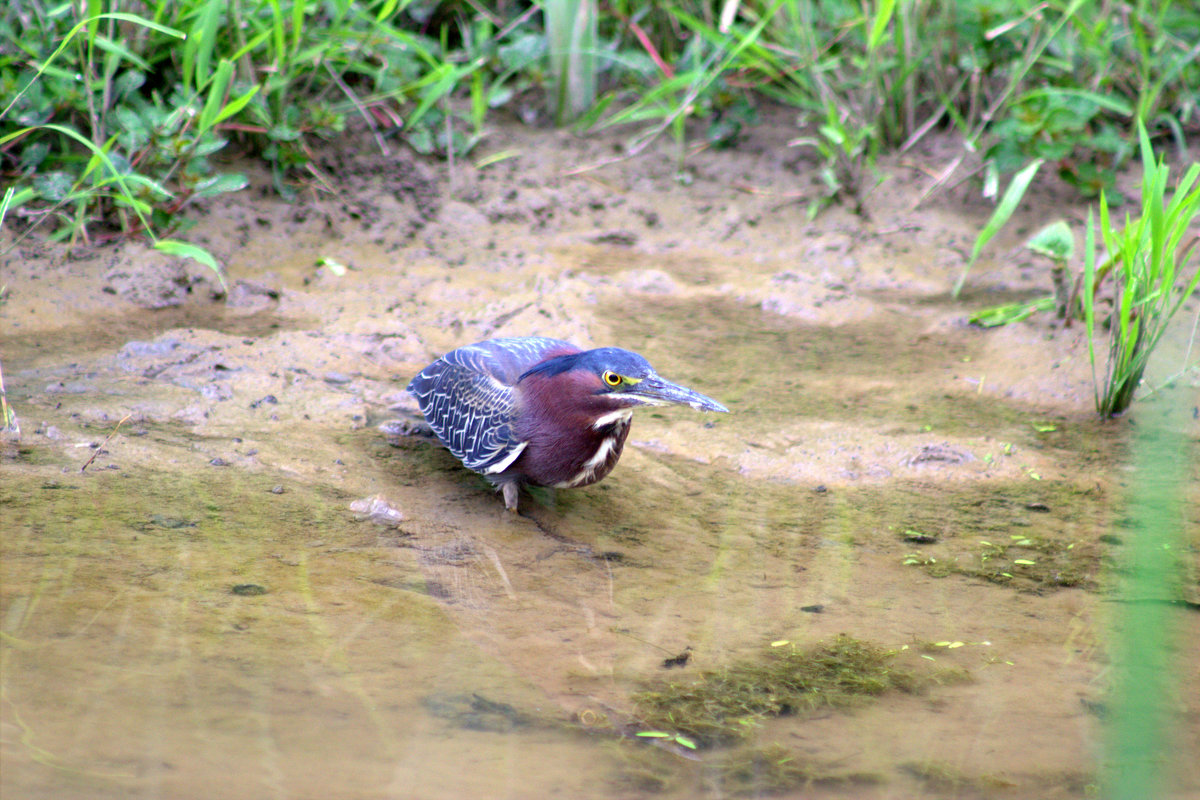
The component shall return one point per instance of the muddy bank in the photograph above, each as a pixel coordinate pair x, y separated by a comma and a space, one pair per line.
884, 464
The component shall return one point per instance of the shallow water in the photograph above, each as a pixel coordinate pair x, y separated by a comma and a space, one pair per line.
202, 613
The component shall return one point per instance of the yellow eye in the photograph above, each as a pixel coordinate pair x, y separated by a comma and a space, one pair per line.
612, 378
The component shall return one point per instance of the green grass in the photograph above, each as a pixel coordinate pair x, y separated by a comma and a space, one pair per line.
1148, 259
1147, 265
142, 95
111, 118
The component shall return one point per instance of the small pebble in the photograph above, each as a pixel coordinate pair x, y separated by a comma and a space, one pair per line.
377, 509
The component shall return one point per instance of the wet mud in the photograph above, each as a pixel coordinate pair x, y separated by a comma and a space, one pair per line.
267, 583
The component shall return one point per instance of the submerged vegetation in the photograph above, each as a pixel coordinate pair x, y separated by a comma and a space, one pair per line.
729, 703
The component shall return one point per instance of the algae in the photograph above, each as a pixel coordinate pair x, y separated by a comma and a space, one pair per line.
727, 704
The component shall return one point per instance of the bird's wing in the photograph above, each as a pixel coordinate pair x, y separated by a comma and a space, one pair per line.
468, 397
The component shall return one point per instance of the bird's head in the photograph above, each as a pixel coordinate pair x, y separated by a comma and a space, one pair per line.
627, 378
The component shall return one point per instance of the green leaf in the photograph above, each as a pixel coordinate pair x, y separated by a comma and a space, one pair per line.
201, 39
221, 184
1110, 102
174, 247
90, 23
53, 186
216, 95
116, 48
283, 133
235, 105
1055, 241
14, 199
994, 316
883, 15
334, 266
1008, 204
207, 146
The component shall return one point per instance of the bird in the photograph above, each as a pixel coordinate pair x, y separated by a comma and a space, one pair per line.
538, 411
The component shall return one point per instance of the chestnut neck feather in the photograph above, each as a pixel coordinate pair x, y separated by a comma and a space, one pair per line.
557, 415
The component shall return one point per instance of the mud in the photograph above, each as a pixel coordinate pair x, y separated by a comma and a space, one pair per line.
888, 472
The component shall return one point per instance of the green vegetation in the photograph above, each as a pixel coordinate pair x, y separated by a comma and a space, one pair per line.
1146, 264
10, 429
112, 116
1144, 258
1030, 563
115, 109
571, 39
727, 704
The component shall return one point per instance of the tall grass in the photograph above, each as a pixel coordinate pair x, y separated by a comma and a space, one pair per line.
1019, 81
110, 117
1146, 257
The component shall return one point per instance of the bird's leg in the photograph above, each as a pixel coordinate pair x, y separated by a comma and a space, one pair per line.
510, 496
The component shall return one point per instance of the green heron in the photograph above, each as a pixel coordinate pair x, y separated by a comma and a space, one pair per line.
541, 411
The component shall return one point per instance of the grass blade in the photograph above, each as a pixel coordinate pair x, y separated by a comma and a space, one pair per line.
1008, 204
216, 96
201, 39
174, 247
883, 16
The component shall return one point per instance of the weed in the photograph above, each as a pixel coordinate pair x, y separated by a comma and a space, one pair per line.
1057, 243
727, 704
1004, 210
1027, 562
1146, 256
118, 115
773, 769
1147, 262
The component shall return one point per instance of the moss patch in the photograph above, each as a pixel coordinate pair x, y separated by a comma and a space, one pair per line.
1027, 562
724, 705
773, 769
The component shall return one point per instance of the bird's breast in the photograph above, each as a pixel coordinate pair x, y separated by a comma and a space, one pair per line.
573, 451
605, 450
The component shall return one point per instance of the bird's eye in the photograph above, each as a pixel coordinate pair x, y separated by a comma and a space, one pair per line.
612, 378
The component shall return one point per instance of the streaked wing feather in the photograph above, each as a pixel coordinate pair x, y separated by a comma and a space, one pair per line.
467, 397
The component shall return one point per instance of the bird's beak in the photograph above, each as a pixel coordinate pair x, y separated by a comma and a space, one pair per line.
657, 391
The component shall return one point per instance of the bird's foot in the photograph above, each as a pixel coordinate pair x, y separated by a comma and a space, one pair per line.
510, 491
